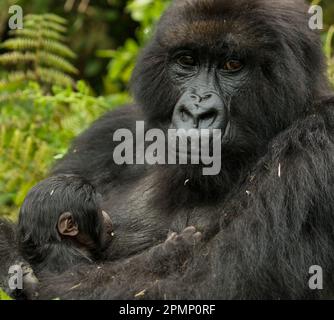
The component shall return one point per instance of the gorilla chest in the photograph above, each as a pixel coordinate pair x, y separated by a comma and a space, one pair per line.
140, 223
137, 224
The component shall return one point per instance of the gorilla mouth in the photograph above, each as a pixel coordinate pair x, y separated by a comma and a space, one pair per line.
209, 135
194, 144
227, 136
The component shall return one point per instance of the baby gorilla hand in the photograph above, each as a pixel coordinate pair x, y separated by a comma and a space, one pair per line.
174, 253
184, 241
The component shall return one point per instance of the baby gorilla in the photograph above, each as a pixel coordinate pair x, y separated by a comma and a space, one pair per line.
61, 224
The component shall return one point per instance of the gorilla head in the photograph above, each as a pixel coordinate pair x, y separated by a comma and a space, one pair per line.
249, 68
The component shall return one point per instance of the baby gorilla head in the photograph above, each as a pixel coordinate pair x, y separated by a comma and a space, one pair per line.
61, 224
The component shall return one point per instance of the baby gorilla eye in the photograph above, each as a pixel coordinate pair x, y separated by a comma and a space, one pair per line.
186, 61
232, 65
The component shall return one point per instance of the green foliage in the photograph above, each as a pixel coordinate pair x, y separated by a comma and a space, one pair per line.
121, 66
36, 129
329, 53
146, 13
4, 296
38, 122
37, 52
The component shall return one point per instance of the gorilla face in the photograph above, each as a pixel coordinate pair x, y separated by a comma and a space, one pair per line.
207, 85
230, 65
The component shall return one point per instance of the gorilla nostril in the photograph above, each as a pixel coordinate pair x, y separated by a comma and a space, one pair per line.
207, 96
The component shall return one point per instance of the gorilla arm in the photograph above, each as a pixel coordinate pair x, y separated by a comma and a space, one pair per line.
91, 154
123, 279
273, 230
278, 225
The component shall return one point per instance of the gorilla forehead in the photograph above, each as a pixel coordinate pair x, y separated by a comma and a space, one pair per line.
241, 23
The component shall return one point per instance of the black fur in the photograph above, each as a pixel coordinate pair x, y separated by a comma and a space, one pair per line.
8, 250
268, 216
39, 241
9, 256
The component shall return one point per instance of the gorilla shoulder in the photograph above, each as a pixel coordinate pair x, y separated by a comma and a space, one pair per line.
91, 154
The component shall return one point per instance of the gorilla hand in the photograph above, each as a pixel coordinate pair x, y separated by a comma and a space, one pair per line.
184, 241
174, 253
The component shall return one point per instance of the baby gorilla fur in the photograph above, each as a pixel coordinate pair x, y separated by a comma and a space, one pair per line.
51, 248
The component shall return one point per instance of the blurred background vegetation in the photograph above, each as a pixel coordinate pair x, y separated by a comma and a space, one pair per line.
62, 72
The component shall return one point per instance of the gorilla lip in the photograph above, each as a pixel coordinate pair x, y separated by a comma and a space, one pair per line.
177, 146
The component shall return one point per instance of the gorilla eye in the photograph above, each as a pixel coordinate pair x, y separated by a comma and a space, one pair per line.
186, 61
233, 65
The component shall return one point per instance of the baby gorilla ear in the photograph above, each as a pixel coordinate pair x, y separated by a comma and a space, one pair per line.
67, 226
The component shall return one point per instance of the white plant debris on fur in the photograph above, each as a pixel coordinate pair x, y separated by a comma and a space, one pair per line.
140, 294
75, 287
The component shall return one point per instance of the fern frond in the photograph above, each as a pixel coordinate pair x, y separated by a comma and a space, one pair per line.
52, 76
30, 44
57, 48
54, 26
17, 57
15, 78
18, 76
55, 18
55, 61
48, 16
40, 50
20, 44
36, 32
45, 24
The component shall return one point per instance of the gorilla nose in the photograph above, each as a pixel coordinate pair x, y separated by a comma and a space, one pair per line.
205, 111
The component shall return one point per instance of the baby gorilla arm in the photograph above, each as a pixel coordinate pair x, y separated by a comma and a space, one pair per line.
127, 279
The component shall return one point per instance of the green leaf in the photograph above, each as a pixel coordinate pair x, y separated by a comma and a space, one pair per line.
4, 296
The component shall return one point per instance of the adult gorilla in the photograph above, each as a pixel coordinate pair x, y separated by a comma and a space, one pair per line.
254, 69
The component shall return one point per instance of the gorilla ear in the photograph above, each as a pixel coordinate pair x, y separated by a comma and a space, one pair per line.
67, 226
